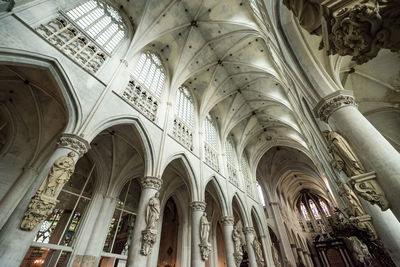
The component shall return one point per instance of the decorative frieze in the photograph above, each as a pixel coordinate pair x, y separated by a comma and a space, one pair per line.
227, 220
366, 186
328, 106
151, 182
73, 42
141, 99
45, 199
75, 143
198, 206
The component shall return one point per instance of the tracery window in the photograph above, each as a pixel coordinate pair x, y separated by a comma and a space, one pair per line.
210, 144
231, 161
101, 22
304, 211
324, 207
184, 108
150, 73
245, 174
121, 226
314, 210
260, 193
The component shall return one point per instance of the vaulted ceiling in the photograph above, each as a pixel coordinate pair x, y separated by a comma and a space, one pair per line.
222, 51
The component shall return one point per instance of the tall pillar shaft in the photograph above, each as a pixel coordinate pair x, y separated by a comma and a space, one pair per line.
249, 235
284, 239
198, 208
15, 242
150, 186
227, 224
375, 152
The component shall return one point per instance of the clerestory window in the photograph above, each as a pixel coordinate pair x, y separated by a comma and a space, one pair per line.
210, 131
184, 108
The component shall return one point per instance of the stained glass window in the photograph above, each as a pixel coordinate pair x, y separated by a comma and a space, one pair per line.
48, 226
324, 208
314, 210
150, 72
101, 22
304, 211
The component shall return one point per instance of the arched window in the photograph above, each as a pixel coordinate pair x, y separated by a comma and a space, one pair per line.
101, 22
324, 208
304, 211
231, 161
314, 209
210, 131
260, 193
150, 73
184, 108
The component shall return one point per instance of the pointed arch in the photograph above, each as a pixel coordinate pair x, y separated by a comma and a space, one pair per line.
222, 201
236, 199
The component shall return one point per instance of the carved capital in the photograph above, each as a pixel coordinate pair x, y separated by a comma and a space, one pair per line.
198, 206
151, 182
75, 143
366, 186
148, 239
333, 103
248, 230
38, 210
227, 220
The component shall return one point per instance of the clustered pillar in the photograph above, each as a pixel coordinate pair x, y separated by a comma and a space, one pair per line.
227, 225
198, 208
249, 235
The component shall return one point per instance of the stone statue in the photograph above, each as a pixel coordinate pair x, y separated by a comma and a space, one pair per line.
59, 174
45, 199
308, 13
237, 242
343, 155
153, 212
322, 227
204, 229
360, 251
275, 256
258, 252
353, 204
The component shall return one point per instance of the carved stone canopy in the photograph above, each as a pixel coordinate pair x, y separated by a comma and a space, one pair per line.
75, 143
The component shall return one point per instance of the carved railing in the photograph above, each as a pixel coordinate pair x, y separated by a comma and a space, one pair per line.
141, 99
232, 172
211, 156
73, 42
183, 133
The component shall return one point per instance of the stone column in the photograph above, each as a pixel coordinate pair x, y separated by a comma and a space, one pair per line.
198, 207
15, 242
227, 224
284, 239
249, 235
375, 152
150, 186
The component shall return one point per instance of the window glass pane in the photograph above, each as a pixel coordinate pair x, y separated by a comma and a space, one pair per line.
314, 210
304, 211
210, 131
324, 208
260, 193
230, 154
184, 108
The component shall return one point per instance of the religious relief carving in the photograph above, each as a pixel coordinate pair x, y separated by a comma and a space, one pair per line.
45, 199
151, 182
360, 28
205, 246
367, 187
359, 251
237, 242
329, 106
149, 235
258, 251
75, 143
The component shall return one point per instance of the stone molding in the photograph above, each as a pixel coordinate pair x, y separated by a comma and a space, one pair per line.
366, 186
151, 182
227, 220
198, 206
75, 143
248, 230
330, 104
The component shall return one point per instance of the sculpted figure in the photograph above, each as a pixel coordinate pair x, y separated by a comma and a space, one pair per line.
343, 155
275, 256
237, 240
59, 174
204, 229
308, 13
360, 251
353, 204
153, 212
258, 251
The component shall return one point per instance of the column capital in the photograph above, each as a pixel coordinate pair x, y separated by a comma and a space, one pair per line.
333, 102
248, 230
151, 182
74, 142
227, 220
198, 206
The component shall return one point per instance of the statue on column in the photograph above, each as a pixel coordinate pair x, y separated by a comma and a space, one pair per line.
352, 203
360, 251
45, 199
258, 251
205, 246
308, 13
343, 155
275, 256
149, 235
237, 242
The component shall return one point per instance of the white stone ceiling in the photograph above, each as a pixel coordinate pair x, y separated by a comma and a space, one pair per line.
219, 52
